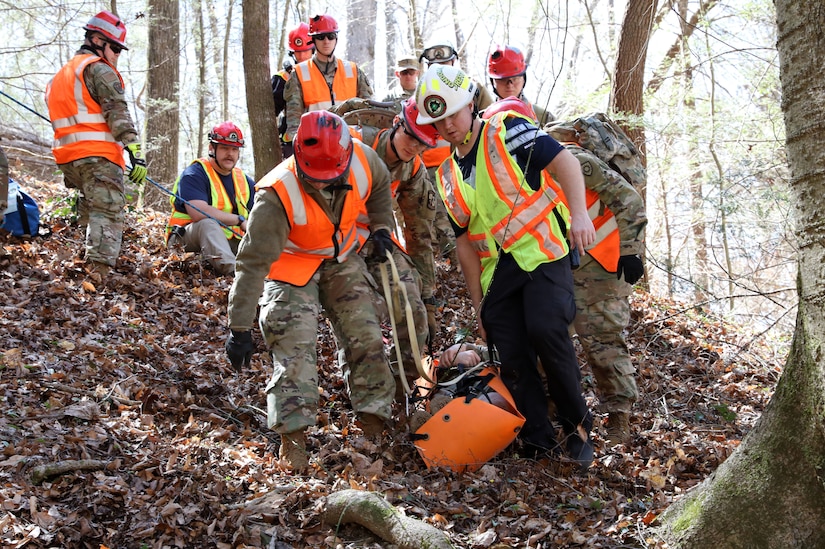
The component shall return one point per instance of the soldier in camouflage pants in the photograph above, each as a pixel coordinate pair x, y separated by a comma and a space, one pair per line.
4, 184
602, 307
91, 120
302, 239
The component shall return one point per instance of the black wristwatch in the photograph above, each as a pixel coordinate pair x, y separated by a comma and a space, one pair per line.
241, 219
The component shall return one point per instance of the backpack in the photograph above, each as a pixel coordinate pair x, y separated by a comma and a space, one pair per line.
22, 217
366, 112
604, 138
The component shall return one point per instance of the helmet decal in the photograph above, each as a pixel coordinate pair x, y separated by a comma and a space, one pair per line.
455, 84
434, 105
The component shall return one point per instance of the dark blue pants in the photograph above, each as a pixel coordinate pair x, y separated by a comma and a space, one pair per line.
526, 315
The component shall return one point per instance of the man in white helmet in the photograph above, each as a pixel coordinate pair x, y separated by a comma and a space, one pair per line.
502, 188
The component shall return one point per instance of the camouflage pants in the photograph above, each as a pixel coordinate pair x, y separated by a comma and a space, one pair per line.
602, 314
412, 283
4, 183
289, 323
207, 238
100, 205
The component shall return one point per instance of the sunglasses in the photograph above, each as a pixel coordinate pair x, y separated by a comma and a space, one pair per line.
115, 48
326, 36
437, 54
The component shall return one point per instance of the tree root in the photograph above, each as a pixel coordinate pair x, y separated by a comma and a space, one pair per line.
42, 472
375, 513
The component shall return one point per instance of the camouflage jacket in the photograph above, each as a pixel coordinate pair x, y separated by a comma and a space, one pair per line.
619, 196
294, 95
105, 88
268, 228
416, 198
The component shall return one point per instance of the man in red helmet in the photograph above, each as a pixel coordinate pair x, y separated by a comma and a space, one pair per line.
507, 70
324, 80
400, 148
300, 50
92, 126
301, 251
212, 201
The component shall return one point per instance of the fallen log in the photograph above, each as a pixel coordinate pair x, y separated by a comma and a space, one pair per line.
375, 513
42, 472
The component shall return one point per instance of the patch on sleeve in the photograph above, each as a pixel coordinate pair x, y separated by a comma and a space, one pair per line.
431, 198
587, 168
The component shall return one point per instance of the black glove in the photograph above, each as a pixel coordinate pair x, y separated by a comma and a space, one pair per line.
239, 348
632, 267
381, 244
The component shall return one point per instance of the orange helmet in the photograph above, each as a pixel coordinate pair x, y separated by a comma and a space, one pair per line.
506, 62
226, 133
323, 146
426, 133
510, 104
321, 24
299, 39
109, 25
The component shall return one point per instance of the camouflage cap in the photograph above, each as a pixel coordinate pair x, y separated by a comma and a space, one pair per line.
406, 63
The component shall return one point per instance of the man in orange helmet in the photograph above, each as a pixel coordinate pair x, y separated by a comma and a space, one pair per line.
300, 50
92, 126
301, 251
212, 201
324, 80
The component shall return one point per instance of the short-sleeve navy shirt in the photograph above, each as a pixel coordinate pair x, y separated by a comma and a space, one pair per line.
194, 185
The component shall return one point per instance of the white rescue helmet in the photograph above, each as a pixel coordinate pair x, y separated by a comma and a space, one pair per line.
443, 91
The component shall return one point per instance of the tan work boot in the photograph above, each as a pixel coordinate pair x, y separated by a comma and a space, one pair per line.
371, 425
293, 451
618, 428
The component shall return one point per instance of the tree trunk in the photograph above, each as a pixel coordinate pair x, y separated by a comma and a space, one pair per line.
770, 492
361, 15
628, 77
162, 113
263, 127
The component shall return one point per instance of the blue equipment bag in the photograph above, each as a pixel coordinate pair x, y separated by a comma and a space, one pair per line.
22, 217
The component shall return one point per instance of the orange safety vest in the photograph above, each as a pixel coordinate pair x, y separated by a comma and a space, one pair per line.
80, 130
434, 157
318, 95
605, 249
312, 237
219, 197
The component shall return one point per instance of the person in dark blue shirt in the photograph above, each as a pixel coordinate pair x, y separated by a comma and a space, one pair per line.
212, 200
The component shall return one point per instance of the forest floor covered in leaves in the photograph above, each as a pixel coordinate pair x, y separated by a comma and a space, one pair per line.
125, 382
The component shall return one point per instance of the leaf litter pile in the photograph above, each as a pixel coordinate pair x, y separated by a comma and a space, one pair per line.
123, 424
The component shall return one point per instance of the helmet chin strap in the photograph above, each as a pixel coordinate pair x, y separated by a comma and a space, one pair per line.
469, 133
392, 141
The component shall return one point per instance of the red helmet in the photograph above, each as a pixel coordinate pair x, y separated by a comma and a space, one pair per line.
426, 133
510, 104
506, 62
321, 24
323, 146
109, 25
299, 39
226, 133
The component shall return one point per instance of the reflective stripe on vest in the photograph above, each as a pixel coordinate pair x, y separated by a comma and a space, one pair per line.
313, 238
499, 209
605, 249
219, 198
80, 130
316, 91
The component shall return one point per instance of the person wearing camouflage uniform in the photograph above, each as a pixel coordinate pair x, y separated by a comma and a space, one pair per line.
302, 238
507, 70
406, 71
399, 148
344, 79
4, 184
602, 307
90, 118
